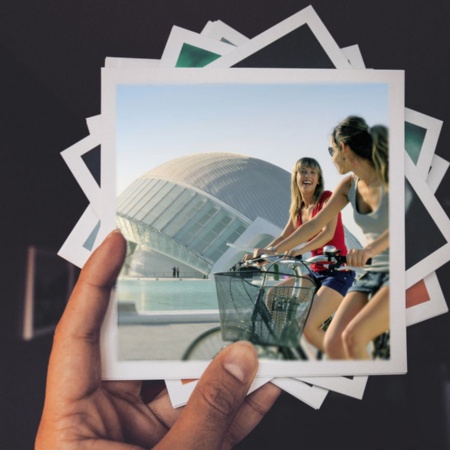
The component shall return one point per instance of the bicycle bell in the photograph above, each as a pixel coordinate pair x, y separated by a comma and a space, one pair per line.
329, 250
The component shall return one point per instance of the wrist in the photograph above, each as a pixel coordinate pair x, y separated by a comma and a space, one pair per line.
368, 251
272, 249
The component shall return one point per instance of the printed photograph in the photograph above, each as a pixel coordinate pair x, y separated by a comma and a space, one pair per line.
220, 188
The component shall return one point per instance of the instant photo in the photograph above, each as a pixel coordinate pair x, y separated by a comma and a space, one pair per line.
196, 170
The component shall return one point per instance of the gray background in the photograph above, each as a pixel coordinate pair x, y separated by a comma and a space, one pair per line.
51, 53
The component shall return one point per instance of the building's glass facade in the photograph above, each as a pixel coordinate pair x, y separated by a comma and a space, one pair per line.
172, 215
182, 221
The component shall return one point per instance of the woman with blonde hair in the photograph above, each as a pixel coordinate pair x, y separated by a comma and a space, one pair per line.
308, 197
364, 312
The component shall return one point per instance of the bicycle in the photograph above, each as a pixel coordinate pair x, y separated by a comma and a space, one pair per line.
265, 305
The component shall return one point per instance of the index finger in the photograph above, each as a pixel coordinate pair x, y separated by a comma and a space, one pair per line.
217, 398
75, 366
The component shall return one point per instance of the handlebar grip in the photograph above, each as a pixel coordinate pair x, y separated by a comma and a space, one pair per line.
256, 260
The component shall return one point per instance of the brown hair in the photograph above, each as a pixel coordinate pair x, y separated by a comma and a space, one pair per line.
368, 143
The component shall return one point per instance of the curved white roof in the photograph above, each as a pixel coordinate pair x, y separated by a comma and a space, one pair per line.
249, 185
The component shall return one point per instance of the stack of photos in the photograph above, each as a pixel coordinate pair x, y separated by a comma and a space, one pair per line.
193, 156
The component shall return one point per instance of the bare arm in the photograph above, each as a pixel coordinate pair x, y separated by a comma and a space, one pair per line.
322, 238
359, 257
288, 230
330, 211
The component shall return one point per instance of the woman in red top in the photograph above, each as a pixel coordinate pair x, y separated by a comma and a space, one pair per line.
308, 197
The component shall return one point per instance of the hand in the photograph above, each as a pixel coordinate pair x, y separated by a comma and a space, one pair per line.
357, 257
247, 257
83, 411
293, 253
262, 251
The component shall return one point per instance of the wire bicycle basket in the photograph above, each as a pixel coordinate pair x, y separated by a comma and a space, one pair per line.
267, 308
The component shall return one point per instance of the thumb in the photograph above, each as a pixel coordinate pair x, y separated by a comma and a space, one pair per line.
219, 394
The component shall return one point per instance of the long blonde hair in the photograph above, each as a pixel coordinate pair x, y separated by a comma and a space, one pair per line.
297, 200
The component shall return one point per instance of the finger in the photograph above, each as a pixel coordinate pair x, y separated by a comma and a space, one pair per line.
130, 389
76, 342
352, 258
253, 409
358, 259
218, 396
151, 389
161, 416
251, 413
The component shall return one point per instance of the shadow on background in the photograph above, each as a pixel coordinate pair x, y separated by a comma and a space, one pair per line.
51, 56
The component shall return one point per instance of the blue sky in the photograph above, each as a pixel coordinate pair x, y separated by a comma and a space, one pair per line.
279, 123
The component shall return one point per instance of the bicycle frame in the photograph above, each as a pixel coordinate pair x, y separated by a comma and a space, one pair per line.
270, 325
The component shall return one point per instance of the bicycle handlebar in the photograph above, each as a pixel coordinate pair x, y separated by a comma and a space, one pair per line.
340, 259
330, 257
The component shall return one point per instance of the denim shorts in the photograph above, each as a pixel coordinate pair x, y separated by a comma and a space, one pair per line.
339, 281
371, 282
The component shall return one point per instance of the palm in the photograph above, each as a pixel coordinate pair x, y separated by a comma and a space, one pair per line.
109, 412
82, 411
115, 412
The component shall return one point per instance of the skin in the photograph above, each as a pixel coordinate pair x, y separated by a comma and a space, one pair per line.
326, 300
323, 235
357, 321
368, 199
82, 411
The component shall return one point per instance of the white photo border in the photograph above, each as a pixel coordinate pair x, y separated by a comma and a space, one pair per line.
73, 158
435, 306
114, 369
438, 169
310, 394
180, 390
218, 30
433, 130
306, 16
180, 36
440, 256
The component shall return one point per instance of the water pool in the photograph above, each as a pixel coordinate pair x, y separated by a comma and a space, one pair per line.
168, 294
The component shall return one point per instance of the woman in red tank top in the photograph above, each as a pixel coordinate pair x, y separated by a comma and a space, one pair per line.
308, 197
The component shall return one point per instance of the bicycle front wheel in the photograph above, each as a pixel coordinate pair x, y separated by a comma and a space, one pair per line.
206, 346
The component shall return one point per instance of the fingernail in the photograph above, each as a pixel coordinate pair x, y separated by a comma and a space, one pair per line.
241, 361
113, 232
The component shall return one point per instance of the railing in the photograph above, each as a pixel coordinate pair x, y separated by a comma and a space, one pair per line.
169, 275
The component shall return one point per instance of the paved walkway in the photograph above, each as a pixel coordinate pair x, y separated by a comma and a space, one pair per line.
158, 342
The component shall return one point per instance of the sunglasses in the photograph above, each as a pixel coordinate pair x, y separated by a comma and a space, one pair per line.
331, 151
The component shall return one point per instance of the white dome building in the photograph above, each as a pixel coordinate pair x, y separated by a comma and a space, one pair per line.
184, 213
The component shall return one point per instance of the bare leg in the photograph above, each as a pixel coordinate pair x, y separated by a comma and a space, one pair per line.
369, 323
325, 303
351, 305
